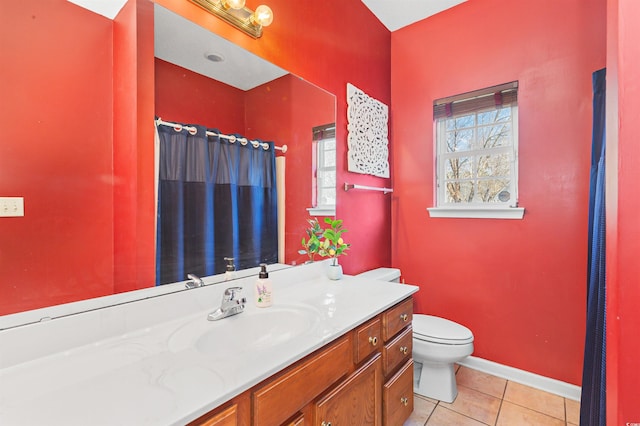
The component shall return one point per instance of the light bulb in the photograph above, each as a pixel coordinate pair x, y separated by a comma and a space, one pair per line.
262, 16
233, 4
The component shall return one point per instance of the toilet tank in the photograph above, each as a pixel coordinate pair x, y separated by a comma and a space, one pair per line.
382, 274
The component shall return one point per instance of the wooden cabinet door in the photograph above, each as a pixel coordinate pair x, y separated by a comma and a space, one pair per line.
228, 417
283, 396
355, 401
297, 420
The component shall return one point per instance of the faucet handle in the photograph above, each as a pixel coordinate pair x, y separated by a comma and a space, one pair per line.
195, 281
232, 303
231, 293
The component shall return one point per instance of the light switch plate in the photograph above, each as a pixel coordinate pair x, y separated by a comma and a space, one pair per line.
11, 206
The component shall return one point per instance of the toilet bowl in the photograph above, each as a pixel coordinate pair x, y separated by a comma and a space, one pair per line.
438, 344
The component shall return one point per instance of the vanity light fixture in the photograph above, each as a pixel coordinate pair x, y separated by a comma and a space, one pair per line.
237, 14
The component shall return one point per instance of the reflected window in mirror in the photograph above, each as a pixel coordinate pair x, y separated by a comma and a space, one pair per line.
324, 171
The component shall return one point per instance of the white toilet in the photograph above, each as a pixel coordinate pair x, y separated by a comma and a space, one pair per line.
437, 344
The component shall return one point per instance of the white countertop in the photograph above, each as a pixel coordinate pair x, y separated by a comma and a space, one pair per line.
159, 361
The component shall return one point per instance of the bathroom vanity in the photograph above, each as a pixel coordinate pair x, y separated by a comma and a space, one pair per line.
364, 377
327, 352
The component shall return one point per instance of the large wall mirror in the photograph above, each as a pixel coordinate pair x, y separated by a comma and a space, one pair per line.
57, 150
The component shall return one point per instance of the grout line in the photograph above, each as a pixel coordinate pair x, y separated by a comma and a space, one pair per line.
504, 393
500, 408
465, 415
541, 412
533, 380
502, 399
431, 414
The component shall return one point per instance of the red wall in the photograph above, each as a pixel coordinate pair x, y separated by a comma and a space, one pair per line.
519, 285
186, 97
133, 165
329, 46
56, 115
623, 225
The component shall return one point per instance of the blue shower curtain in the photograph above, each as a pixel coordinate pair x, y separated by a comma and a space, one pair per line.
593, 401
216, 199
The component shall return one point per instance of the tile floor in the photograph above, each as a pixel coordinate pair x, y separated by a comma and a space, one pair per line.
489, 400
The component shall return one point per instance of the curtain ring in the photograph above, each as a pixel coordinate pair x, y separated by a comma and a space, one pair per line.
232, 138
192, 131
255, 144
177, 127
265, 146
243, 141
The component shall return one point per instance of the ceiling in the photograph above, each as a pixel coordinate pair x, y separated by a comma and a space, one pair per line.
393, 14
108, 8
181, 42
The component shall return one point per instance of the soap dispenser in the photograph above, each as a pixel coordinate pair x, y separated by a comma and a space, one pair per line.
230, 272
263, 290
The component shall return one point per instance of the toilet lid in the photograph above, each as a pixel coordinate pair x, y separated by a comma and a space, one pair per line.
440, 330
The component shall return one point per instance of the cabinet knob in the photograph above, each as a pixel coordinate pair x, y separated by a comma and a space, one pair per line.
404, 349
326, 424
404, 401
373, 340
404, 317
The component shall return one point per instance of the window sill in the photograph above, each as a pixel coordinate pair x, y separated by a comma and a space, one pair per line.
477, 213
322, 211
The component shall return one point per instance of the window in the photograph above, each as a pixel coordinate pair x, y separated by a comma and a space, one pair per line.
324, 171
477, 154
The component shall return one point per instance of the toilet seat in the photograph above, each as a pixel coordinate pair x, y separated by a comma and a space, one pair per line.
440, 330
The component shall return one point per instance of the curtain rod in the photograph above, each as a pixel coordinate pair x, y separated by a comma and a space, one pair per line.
231, 138
348, 186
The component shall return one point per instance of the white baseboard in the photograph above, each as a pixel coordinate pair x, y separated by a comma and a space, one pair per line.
547, 384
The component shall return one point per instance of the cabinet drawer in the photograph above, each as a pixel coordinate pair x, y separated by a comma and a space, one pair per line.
367, 339
397, 396
397, 351
282, 397
397, 318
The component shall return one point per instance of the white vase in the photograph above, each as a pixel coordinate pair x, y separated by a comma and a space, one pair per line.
334, 272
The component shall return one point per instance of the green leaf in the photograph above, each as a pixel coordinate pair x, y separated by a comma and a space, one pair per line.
330, 234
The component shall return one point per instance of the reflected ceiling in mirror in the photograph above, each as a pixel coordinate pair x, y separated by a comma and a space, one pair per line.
181, 42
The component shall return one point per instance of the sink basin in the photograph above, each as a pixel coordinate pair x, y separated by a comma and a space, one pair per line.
256, 329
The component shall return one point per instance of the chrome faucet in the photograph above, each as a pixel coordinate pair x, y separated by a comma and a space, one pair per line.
195, 281
232, 303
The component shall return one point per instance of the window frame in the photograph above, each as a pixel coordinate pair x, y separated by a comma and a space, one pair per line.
462, 105
321, 134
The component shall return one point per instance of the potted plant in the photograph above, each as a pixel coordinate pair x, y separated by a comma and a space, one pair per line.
332, 245
311, 243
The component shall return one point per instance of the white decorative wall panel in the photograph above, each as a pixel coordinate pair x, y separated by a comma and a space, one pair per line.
368, 128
